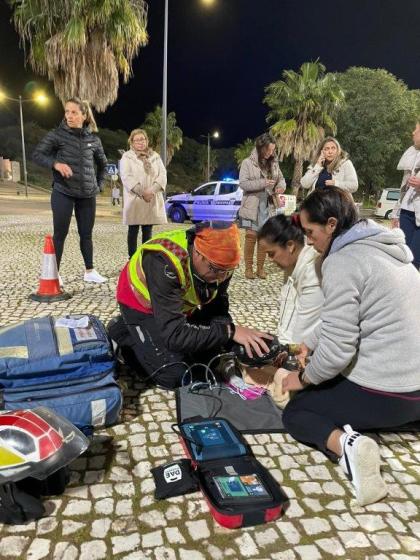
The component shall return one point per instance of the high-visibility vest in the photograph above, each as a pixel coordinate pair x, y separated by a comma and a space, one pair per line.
174, 245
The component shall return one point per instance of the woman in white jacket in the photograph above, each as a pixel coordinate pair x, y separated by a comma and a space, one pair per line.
301, 297
331, 167
143, 176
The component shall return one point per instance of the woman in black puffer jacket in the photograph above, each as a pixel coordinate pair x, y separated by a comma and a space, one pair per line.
75, 154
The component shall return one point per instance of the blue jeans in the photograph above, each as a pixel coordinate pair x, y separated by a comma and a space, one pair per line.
412, 234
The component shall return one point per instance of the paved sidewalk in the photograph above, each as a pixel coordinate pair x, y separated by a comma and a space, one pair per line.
108, 510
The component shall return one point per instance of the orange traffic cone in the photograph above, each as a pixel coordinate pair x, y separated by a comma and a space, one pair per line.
49, 287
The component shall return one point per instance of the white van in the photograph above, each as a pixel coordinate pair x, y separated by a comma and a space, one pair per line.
386, 203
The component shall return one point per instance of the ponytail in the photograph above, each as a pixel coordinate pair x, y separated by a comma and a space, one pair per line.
84, 106
280, 229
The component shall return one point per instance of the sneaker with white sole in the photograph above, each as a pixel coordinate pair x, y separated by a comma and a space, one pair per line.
60, 281
94, 276
361, 463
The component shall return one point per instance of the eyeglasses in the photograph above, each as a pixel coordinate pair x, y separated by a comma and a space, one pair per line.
219, 271
215, 269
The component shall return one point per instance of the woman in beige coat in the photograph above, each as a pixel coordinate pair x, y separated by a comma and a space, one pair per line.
143, 176
261, 180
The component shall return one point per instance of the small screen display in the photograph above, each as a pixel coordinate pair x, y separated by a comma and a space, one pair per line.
244, 486
210, 435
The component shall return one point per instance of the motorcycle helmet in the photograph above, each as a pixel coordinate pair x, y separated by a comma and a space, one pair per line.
36, 443
275, 348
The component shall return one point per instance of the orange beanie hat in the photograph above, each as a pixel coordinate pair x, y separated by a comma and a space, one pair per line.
219, 244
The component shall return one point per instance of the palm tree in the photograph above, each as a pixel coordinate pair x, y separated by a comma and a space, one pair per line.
303, 106
202, 161
82, 45
153, 126
243, 150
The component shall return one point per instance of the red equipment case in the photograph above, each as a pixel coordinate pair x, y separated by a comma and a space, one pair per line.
237, 513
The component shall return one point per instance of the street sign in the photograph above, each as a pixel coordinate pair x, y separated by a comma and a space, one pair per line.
111, 169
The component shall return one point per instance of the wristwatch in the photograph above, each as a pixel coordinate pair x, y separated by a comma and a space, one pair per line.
303, 380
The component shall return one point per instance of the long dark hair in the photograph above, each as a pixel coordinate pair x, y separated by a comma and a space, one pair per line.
332, 202
281, 229
261, 142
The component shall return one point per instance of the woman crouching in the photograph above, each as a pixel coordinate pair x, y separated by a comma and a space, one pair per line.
364, 373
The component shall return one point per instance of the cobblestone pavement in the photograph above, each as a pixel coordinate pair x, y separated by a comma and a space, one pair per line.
108, 509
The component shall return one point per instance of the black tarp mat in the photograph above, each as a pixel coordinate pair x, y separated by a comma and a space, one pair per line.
257, 416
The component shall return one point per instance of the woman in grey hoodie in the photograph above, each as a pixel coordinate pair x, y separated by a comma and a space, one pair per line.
365, 366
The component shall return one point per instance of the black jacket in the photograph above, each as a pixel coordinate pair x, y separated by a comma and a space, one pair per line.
81, 150
206, 328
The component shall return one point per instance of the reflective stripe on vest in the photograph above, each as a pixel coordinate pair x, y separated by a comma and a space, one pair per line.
174, 245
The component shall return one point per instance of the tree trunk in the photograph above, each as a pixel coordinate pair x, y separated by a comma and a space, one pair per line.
297, 176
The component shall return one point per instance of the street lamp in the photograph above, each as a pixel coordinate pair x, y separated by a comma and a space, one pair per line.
163, 150
38, 97
215, 134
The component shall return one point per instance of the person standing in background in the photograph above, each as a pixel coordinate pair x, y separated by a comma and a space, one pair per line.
75, 154
331, 167
116, 194
143, 176
406, 213
261, 180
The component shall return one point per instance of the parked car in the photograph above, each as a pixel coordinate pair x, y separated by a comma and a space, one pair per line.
386, 203
216, 200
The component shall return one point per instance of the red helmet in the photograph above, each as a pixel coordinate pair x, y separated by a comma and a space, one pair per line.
36, 443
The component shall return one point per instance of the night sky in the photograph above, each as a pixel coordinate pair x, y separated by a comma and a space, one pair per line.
221, 58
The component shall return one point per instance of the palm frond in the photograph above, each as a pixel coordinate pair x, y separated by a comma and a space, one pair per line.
82, 45
303, 106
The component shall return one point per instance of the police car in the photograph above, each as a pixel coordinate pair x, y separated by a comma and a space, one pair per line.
216, 200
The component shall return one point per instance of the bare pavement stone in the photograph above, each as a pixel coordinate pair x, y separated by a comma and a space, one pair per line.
108, 509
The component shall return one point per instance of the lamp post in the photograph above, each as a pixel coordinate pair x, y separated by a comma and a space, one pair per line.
40, 98
165, 89
214, 135
163, 151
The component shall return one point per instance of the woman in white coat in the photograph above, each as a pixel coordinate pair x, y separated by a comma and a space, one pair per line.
301, 297
331, 167
143, 176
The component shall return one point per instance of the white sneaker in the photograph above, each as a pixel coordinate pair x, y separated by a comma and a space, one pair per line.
94, 276
361, 463
60, 281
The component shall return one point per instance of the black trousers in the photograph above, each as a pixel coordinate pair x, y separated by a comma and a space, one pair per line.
161, 366
62, 207
412, 234
315, 412
132, 235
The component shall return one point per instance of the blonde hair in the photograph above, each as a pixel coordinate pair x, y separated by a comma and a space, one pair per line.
339, 158
134, 133
84, 106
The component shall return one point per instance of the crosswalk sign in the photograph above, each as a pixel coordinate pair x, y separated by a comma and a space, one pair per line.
111, 169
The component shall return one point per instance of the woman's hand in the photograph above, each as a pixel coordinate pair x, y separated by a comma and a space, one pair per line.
330, 183
279, 190
148, 195
64, 169
321, 159
414, 182
270, 183
302, 354
291, 382
252, 340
